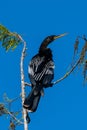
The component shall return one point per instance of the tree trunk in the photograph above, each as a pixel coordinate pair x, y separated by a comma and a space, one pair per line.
23, 83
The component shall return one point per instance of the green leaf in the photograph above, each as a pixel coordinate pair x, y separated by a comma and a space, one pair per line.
9, 40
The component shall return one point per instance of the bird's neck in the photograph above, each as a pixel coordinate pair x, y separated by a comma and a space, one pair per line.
44, 45
47, 53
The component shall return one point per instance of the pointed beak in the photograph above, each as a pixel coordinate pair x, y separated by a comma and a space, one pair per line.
59, 36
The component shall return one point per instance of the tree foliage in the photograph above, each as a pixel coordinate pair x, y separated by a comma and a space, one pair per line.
82, 55
9, 40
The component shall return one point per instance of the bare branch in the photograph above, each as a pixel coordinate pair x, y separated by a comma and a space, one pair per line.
17, 120
8, 100
23, 83
27, 84
13, 100
67, 73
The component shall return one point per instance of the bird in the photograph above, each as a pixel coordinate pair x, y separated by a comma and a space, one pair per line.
41, 73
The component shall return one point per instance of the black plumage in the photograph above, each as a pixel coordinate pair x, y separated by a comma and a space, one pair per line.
41, 73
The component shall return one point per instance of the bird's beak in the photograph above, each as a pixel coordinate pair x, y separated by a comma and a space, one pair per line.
59, 36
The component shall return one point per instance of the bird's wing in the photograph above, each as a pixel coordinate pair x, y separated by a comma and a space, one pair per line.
49, 75
38, 68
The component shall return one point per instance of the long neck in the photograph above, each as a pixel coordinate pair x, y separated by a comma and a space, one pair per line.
44, 45
47, 53
44, 51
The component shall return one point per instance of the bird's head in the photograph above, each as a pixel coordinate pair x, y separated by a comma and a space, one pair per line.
48, 40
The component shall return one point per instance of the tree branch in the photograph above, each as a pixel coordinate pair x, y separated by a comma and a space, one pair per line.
13, 100
62, 78
67, 73
17, 120
22, 82
27, 84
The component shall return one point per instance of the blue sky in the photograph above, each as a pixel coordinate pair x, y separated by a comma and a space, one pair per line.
65, 105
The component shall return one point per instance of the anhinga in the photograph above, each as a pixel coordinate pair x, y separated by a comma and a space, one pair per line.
41, 73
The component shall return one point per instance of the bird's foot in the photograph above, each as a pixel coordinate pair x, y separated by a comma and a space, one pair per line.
27, 107
28, 118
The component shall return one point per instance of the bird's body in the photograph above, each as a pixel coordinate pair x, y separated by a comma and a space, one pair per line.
41, 73
39, 67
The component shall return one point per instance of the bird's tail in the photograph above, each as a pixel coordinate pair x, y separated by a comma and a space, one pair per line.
32, 100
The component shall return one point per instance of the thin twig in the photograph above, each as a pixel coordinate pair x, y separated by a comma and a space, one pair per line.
84, 38
67, 73
13, 100
18, 121
27, 84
